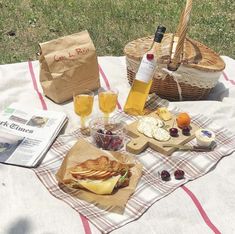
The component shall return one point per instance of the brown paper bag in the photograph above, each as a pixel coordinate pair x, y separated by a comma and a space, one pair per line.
83, 151
68, 64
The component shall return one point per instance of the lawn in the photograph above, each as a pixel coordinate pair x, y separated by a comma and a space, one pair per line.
111, 23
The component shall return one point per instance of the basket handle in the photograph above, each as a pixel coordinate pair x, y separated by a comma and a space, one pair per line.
181, 34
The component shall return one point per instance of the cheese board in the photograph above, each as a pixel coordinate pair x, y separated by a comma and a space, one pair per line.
141, 141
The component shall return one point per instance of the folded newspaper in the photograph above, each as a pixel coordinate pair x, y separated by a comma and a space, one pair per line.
26, 135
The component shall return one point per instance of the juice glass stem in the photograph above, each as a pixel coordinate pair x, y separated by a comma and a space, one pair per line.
106, 116
83, 121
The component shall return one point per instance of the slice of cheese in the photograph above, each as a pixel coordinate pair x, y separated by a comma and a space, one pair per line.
100, 186
160, 134
150, 120
141, 126
164, 113
153, 121
159, 123
146, 124
148, 131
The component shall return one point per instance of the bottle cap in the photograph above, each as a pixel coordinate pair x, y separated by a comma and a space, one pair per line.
159, 33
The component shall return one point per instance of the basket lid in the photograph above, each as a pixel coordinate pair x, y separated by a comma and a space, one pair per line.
195, 54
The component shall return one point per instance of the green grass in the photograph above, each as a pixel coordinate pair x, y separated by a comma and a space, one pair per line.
111, 23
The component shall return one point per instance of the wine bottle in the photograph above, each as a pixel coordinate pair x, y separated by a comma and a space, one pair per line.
142, 83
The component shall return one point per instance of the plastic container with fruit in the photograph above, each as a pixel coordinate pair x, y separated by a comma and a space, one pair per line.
108, 134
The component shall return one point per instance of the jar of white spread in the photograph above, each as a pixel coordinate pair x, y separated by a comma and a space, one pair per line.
204, 137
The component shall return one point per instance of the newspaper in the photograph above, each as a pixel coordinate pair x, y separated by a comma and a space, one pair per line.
26, 135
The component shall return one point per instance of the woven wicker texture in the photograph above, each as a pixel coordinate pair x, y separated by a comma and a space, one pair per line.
206, 66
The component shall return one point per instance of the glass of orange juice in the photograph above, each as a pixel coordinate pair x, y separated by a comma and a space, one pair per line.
83, 104
107, 100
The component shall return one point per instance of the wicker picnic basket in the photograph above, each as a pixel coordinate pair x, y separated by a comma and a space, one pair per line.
187, 69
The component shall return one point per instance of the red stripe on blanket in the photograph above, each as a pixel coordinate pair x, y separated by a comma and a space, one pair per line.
44, 107
201, 210
192, 196
227, 79
225, 76
107, 84
86, 225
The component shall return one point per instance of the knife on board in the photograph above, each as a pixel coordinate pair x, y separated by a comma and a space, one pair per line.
193, 147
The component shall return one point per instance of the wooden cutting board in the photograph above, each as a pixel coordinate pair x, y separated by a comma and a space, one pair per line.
140, 142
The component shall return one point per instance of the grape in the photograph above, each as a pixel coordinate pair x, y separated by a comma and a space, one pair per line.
99, 139
173, 132
165, 175
115, 143
106, 142
100, 131
186, 131
109, 132
179, 174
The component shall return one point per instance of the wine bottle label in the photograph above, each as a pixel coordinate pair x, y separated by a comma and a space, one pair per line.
146, 69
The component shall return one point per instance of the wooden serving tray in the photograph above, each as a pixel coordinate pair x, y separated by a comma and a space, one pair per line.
140, 142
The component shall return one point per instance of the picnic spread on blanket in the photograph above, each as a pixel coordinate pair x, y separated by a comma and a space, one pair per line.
131, 139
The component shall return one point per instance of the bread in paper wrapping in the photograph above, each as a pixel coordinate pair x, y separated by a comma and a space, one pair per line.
83, 151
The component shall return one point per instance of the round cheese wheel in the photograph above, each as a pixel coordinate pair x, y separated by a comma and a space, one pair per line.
160, 134
141, 126
148, 131
153, 121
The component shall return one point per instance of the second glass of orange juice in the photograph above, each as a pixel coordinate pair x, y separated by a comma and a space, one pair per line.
83, 104
107, 100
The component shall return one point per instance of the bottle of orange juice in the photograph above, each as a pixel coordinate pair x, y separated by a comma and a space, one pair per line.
142, 83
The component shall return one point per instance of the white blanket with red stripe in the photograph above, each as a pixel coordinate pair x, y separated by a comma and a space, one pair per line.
205, 205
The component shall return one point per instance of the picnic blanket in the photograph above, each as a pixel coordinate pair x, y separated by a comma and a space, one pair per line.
27, 207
